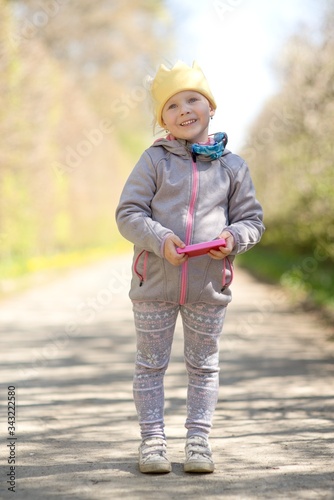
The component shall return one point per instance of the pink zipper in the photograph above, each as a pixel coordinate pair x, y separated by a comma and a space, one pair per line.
189, 226
142, 277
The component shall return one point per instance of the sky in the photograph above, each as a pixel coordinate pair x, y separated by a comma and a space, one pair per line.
236, 43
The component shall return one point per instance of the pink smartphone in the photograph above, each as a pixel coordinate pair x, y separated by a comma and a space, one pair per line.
202, 248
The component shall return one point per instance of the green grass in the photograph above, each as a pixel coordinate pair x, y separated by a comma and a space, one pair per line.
309, 280
20, 272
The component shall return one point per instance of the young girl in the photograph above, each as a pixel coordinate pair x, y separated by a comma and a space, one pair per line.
186, 188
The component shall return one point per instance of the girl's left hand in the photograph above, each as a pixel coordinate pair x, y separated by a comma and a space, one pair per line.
223, 251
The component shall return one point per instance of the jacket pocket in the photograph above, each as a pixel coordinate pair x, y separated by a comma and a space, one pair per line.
140, 266
215, 282
227, 274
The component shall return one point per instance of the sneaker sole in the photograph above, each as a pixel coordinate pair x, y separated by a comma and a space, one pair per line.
155, 468
198, 467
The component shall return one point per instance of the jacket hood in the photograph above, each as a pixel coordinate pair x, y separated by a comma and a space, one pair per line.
178, 147
183, 148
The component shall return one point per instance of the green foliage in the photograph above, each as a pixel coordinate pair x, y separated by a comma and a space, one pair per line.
307, 277
291, 154
18, 225
71, 98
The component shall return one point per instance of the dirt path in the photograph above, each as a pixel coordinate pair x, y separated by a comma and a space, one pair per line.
68, 348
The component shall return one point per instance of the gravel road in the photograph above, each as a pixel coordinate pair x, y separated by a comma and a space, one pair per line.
67, 346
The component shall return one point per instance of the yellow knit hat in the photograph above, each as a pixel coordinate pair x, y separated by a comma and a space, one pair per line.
168, 82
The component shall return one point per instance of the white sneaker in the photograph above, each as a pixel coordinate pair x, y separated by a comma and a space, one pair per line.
198, 455
153, 456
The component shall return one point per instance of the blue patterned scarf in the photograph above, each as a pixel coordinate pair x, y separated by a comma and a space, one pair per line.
213, 150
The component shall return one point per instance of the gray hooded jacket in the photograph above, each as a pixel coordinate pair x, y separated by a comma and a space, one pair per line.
168, 192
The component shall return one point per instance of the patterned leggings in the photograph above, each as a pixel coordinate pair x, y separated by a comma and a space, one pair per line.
155, 325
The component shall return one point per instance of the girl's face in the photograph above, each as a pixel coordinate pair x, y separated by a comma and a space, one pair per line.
186, 115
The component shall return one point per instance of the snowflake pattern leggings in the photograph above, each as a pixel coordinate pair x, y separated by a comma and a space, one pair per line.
155, 325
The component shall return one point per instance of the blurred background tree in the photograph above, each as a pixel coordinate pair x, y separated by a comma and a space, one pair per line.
72, 98
291, 149
73, 120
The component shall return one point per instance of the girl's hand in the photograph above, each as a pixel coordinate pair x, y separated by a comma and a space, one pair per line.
170, 253
223, 251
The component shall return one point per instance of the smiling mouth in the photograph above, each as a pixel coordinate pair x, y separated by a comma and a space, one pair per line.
188, 122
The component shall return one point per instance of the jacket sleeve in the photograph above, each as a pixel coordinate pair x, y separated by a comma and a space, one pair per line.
245, 212
133, 214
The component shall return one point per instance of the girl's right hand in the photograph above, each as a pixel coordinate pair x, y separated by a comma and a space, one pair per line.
170, 253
